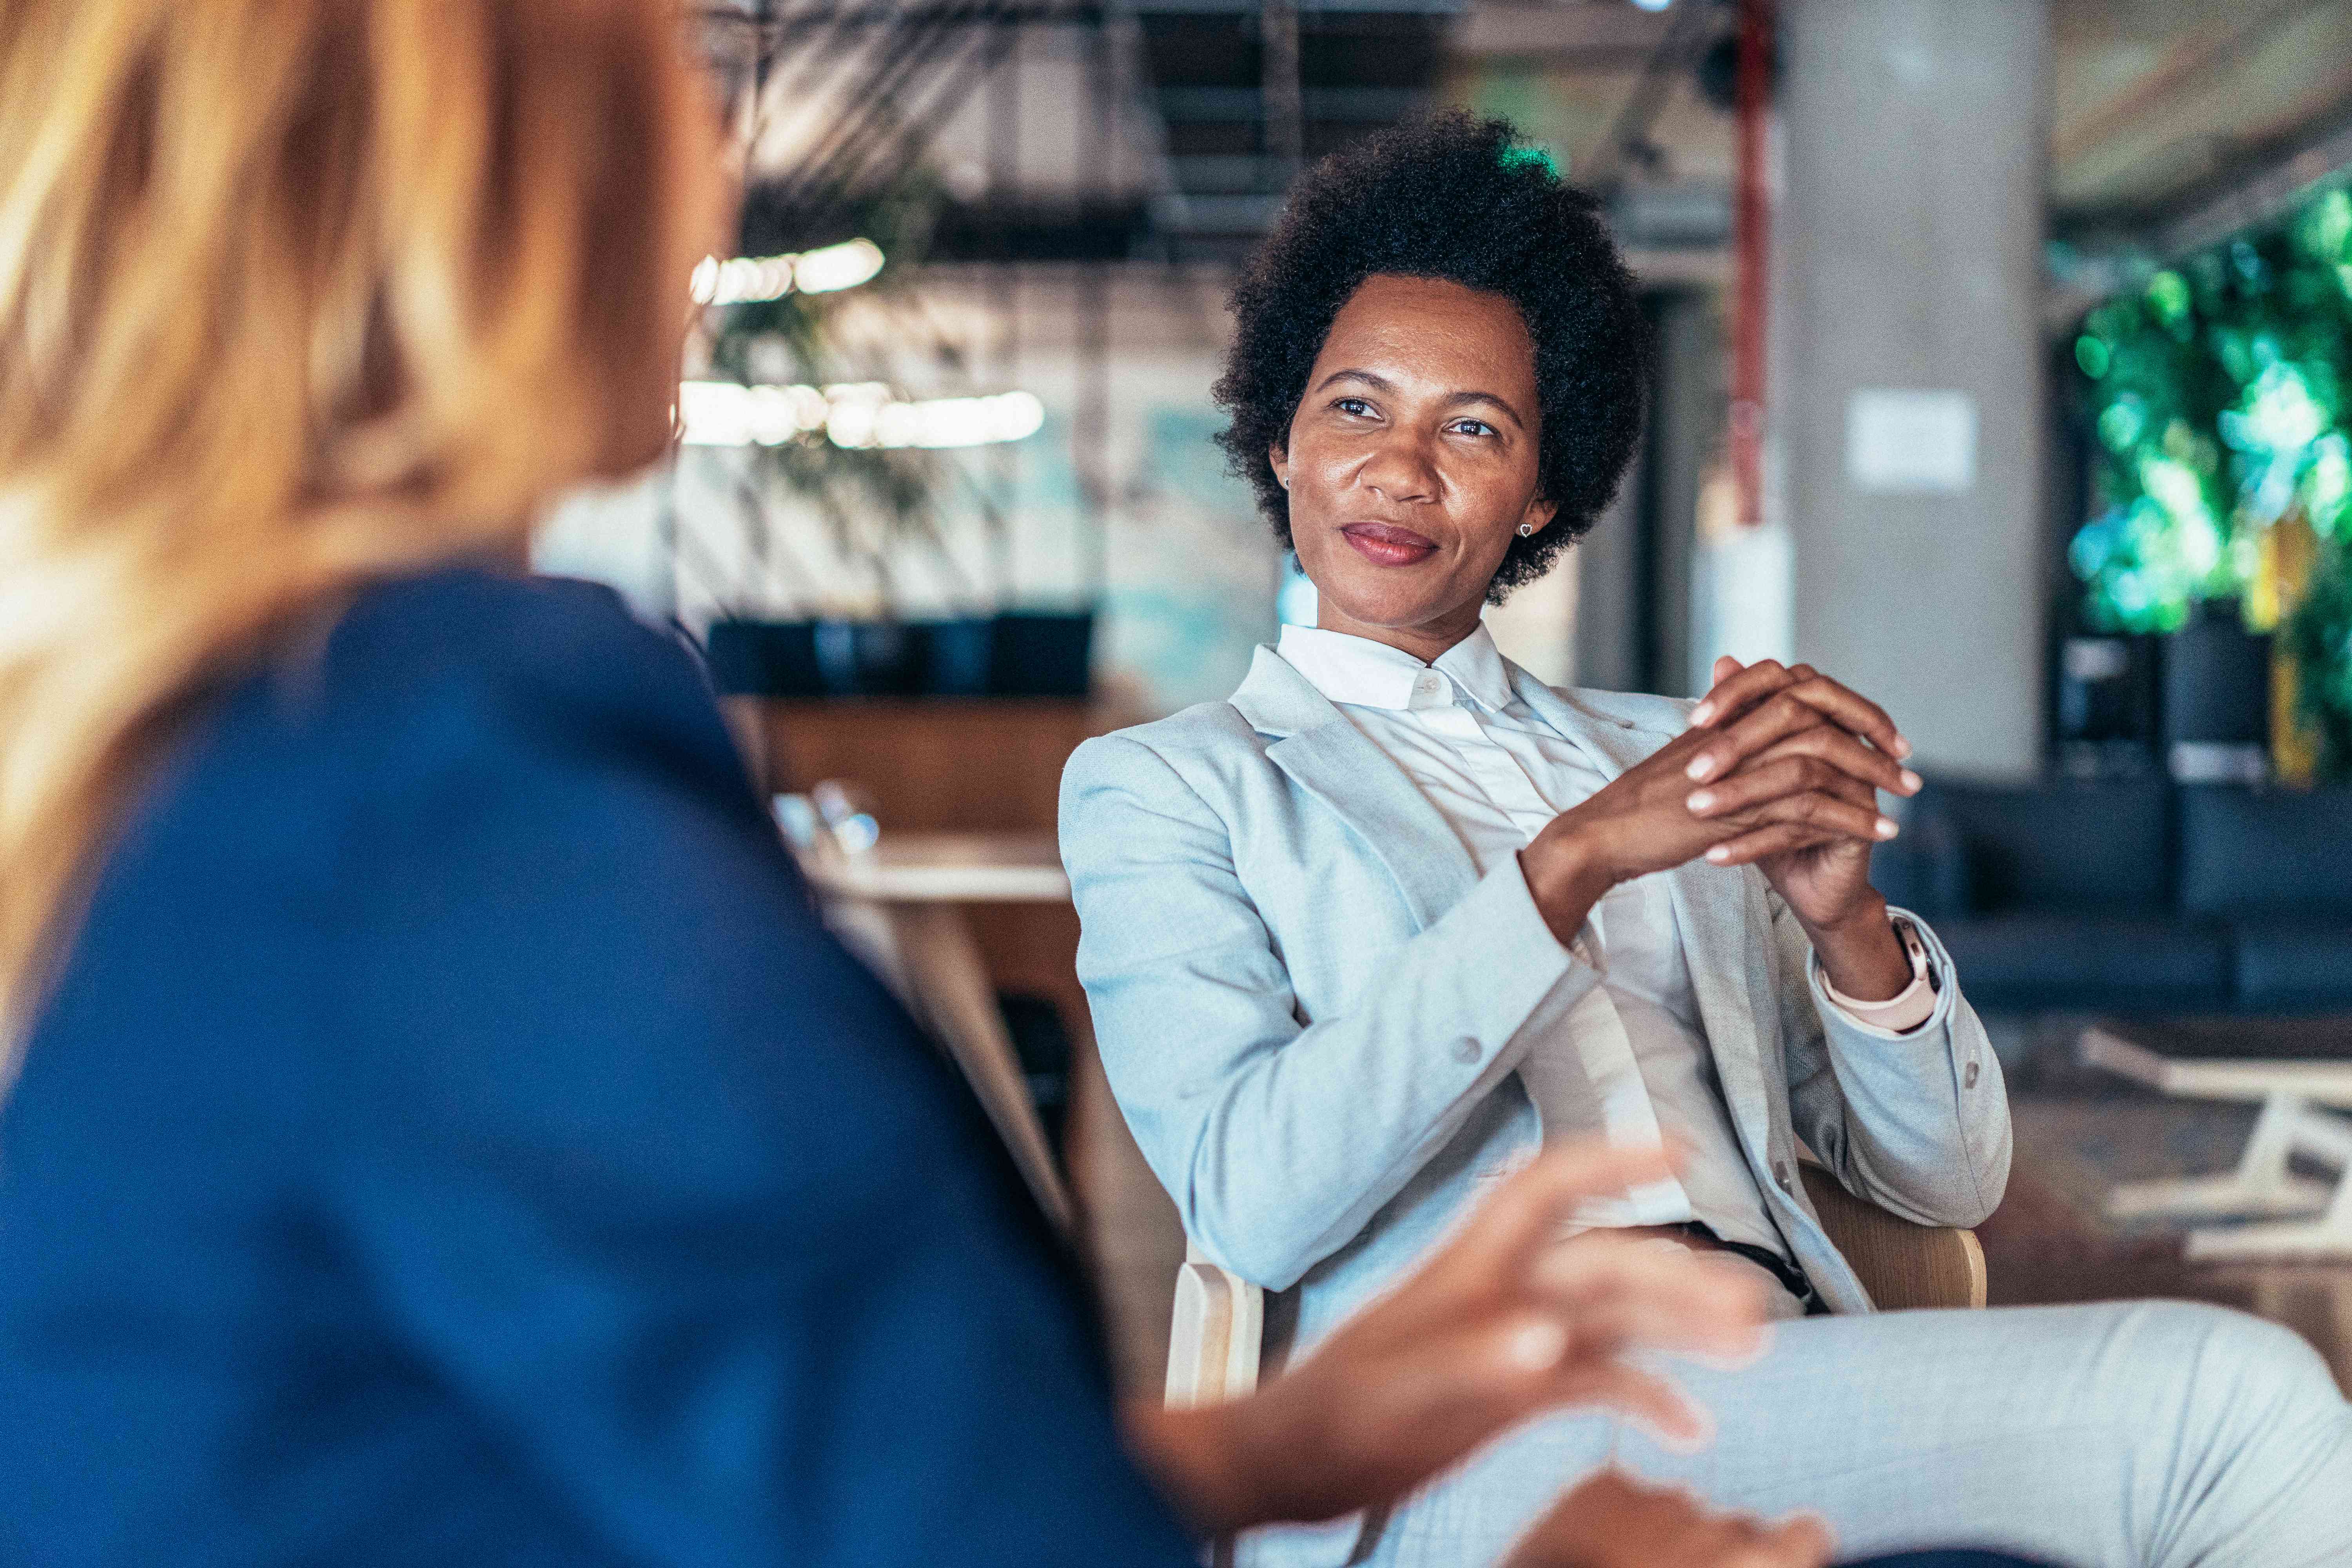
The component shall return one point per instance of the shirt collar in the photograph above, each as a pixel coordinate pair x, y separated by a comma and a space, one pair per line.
1478, 669
1369, 674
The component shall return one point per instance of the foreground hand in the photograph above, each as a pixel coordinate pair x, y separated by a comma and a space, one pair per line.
1778, 765
1502, 1323
1615, 1521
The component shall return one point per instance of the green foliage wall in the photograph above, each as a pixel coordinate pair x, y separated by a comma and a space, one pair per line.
2221, 397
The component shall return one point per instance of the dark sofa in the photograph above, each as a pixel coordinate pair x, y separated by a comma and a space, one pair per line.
2134, 895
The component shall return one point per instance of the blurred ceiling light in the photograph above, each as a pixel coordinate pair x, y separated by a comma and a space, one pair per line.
859, 414
746, 279
1652, 4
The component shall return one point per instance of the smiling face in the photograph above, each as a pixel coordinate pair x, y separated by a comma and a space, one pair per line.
1412, 460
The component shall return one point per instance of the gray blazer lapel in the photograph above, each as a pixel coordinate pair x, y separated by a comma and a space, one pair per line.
1328, 758
1724, 951
1719, 941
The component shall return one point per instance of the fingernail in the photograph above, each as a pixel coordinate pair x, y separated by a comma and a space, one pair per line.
1702, 800
1911, 781
1700, 766
1902, 748
1702, 713
1719, 854
1538, 1347
1886, 828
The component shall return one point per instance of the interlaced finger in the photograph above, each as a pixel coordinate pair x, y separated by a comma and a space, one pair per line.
1851, 710
1739, 800
1825, 811
1780, 838
1740, 691
1774, 720
1842, 750
1838, 703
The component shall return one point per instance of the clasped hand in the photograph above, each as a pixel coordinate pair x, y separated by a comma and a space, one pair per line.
1778, 768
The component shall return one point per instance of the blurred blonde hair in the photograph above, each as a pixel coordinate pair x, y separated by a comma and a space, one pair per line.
295, 294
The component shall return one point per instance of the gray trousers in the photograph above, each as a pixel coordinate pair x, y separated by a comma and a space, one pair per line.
2143, 1434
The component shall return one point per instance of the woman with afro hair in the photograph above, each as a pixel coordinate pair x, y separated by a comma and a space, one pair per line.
1359, 939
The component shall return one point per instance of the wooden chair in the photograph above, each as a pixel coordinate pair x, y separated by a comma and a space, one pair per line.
1220, 1318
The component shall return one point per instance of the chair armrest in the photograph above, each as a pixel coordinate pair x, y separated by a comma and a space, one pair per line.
1901, 1264
1214, 1334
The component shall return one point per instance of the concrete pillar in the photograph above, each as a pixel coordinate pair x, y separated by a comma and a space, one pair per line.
1907, 249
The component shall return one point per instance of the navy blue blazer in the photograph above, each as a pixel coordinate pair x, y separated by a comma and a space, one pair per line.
453, 1141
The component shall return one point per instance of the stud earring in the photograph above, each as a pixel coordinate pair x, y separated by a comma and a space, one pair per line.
1526, 531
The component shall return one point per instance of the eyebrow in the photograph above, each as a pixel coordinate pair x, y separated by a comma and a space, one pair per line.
1454, 400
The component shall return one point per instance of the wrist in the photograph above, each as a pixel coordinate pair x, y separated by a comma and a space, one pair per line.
1862, 919
1860, 954
1207, 1461
1566, 877
1220, 1463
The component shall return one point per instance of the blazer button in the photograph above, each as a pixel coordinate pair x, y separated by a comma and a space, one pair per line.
1780, 1173
1465, 1050
1968, 1078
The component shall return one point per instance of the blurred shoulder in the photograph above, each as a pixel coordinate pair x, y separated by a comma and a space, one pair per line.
421, 671
561, 639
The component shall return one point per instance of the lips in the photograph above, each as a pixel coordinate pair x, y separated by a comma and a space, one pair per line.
1386, 545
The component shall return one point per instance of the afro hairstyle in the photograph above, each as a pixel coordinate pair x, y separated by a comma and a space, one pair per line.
1449, 196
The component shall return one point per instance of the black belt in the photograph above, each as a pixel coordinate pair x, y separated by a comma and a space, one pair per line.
1791, 1278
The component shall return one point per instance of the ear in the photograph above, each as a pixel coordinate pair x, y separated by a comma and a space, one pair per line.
1278, 455
1541, 512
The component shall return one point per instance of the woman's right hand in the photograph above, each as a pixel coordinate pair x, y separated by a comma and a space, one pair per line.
1613, 1521
1794, 741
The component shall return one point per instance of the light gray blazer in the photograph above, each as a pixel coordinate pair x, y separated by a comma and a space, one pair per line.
1310, 1005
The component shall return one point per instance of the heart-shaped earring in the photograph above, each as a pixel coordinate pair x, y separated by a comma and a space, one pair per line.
1526, 531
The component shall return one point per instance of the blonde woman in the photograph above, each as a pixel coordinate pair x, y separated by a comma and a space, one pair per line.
438, 1131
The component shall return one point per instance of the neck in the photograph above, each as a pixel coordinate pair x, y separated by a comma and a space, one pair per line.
1425, 640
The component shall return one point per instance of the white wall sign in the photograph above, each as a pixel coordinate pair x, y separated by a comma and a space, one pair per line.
1911, 440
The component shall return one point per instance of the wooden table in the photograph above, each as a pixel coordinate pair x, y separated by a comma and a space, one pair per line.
2300, 1073
899, 903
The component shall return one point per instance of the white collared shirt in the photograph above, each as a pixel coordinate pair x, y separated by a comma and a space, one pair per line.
1632, 1060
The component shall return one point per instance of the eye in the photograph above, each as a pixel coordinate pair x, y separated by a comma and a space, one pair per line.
1353, 406
1474, 427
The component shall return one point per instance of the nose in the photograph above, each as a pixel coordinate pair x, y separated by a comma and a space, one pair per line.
1401, 468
